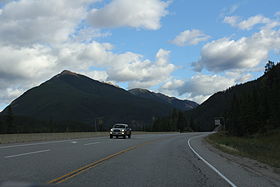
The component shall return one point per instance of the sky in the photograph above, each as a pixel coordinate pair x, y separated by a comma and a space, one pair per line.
189, 49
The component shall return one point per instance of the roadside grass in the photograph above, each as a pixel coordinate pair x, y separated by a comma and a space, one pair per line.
263, 148
33, 137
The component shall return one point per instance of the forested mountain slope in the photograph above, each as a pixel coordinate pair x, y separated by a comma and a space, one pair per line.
71, 101
243, 109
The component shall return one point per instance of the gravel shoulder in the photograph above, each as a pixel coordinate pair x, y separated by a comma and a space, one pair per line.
258, 168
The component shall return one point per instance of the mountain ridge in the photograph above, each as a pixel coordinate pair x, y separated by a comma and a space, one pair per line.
175, 102
69, 98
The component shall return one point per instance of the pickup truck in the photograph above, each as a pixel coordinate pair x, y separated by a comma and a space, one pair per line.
120, 130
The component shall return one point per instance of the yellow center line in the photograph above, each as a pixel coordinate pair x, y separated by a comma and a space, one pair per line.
93, 164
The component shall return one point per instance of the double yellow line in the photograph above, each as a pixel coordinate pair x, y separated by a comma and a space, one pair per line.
93, 164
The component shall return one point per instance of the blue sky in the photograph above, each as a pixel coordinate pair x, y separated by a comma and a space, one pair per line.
187, 49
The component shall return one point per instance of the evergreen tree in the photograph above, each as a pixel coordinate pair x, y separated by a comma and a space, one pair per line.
10, 121
269, 65
181, 122
1, 126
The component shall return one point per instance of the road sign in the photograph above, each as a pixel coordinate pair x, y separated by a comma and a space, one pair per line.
217, 122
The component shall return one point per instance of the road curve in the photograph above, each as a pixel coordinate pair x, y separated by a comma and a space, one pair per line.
143, 160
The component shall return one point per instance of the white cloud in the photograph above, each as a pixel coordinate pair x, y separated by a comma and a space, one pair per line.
9, 94
249, 23
139, 72
206, 85
88, 35
97, 75
23, 62
199, 87
137, 13
239, 76
80, 56
172, 84
190, 37
245, 78
27, 22
226, 54
232, 20
124, 67
22, 68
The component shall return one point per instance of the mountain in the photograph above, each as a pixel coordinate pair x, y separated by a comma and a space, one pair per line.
245, 109
69, 98
183, 105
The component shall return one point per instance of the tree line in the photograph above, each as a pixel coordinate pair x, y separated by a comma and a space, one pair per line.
245, 109
11, 124
257, 109
177, 121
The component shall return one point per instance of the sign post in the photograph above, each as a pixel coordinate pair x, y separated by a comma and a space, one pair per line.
220, 124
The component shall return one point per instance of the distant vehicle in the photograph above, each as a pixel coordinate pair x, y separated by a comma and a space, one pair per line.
120, 130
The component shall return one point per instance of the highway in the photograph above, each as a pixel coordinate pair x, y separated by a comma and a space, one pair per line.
144, 160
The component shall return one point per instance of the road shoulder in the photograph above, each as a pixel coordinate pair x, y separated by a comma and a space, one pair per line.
248, 164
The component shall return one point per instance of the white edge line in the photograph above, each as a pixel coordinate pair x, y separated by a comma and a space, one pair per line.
23, 154
40, 143
92, 143
208, 164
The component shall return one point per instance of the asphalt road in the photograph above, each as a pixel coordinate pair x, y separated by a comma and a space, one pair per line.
143, 160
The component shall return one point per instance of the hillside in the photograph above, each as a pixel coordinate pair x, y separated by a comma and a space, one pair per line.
253, 107
183, 105
69, 100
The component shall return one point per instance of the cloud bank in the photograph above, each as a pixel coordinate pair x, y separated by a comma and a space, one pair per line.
144, 14
247, 52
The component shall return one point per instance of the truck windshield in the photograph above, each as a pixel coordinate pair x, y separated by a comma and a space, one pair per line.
119, 126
